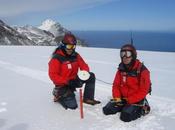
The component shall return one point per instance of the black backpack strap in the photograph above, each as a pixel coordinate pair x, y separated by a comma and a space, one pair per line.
141, 68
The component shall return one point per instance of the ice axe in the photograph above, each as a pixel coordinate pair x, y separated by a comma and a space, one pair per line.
83, 75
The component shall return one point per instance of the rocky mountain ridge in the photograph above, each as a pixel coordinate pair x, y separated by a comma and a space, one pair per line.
50, 33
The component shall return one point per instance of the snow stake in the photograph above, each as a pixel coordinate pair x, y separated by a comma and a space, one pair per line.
83, 75
81, 104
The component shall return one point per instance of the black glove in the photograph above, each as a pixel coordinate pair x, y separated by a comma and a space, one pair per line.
124, 101
77, 83
118, 103
72, 83
80, 83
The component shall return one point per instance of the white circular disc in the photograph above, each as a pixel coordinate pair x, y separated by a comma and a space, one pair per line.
83, 75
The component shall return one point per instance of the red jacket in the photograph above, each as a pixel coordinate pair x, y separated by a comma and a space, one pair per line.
61, 71
133, 88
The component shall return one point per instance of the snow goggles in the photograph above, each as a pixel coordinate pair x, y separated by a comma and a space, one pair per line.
125, 53
70, 46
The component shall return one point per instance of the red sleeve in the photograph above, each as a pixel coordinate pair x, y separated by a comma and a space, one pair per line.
54, 72
143, 88
82, 64
116, 84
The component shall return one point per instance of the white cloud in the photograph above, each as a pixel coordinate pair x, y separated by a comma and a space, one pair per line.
16, 7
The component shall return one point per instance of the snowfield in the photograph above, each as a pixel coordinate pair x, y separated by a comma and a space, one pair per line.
26, 91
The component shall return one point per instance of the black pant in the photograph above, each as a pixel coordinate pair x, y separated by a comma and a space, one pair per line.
89, 89
128, 112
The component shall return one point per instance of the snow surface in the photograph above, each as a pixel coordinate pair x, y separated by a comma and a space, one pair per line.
26, 91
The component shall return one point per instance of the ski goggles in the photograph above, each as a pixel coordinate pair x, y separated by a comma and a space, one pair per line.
70, 46
125, 53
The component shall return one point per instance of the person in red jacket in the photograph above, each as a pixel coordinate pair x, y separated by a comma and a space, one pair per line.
63, 69
130, 87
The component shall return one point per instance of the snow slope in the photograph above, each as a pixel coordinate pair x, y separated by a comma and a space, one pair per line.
26, 99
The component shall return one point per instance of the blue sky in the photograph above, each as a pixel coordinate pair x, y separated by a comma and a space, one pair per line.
92, 14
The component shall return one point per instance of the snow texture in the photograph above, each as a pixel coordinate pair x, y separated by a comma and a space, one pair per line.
26, 91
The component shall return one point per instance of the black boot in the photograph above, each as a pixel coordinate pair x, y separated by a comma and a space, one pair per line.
91, 102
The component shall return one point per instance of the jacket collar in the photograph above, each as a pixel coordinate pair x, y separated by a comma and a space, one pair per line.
123, 67
63, 53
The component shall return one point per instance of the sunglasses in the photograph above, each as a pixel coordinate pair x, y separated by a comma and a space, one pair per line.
125, 53
70, 46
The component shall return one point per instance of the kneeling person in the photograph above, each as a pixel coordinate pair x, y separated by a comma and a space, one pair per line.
63, 70
130, 87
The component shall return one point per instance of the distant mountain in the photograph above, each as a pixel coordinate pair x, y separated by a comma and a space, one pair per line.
54, 27
58, 31
50, 33
40, 37
10, 36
